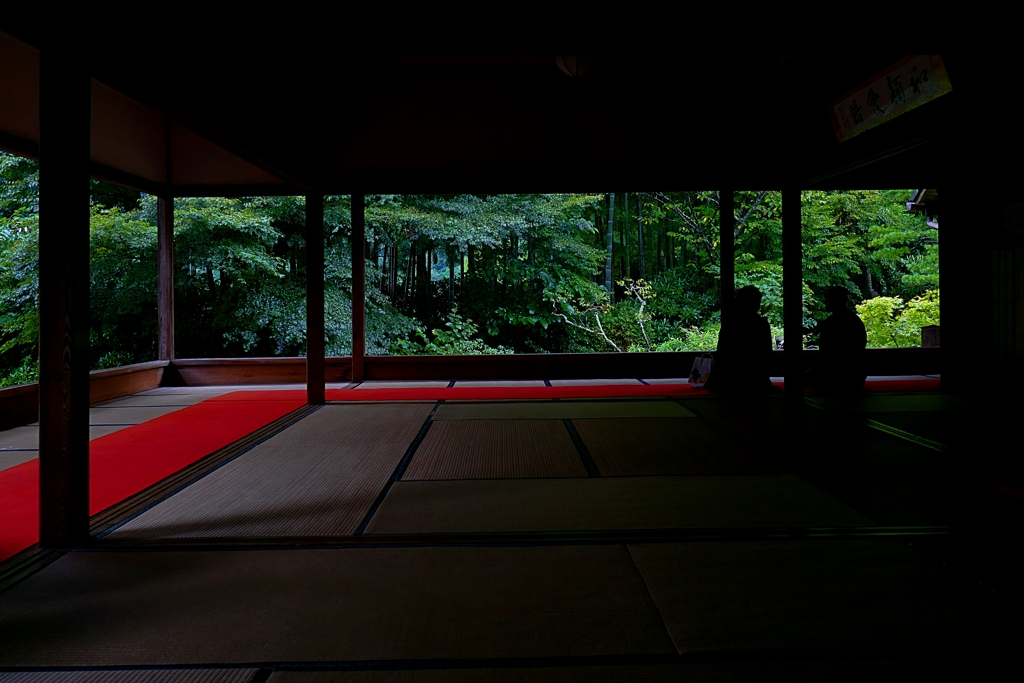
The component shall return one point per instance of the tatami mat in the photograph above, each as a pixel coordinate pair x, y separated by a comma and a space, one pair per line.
827, 594
806, 671
893, 403
96, 431
560, 410
317, 478
13, 458
668, 380
495, 449
137, 400
608, 503
132, 676
591, 382
130, 415
184, 608
501, 383
216, 390
658, 445
20, 438
27, 437
397, 384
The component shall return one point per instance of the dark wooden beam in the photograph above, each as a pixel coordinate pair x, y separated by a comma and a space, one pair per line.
125, 179
968, 326
315, 299
245, 190
64, 111
727, 262
792, 292
21, 146
165, 277
358, 286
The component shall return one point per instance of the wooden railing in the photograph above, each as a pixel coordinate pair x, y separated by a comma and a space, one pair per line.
20, 404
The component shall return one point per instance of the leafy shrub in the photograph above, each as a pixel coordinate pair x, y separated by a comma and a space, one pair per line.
890, 322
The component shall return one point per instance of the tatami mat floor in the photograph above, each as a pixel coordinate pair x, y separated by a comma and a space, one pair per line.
503, 541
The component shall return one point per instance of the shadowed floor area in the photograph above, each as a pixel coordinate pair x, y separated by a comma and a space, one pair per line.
491, 539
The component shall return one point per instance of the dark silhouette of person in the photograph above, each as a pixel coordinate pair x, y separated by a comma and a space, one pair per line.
744, 348
841, 342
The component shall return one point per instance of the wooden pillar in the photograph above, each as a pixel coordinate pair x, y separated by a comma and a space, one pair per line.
165, 277
726, 256
792, 292
315, 391
358, 286
966, 325
64, 112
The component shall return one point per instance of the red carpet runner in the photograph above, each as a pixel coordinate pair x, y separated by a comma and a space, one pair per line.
125, 462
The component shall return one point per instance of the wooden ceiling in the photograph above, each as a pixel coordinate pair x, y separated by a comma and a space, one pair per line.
287, 112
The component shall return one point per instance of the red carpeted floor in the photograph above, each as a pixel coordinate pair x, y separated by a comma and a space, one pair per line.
125, 462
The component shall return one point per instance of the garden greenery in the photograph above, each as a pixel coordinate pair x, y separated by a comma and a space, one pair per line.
463, 274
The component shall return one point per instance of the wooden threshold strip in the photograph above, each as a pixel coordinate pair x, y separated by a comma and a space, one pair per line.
601, 537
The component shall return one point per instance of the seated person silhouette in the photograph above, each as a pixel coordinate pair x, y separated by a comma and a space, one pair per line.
744, 349
841, 342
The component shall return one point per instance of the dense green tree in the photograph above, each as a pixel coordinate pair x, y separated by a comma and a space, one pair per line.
463, 273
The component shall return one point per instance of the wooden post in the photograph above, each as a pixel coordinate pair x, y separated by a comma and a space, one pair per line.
358, 286
64, 113
315, 390
165, 277
726, 256
792, 292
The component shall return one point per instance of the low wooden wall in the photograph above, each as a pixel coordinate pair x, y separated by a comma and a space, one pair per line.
130, 379
220, 371
19, 405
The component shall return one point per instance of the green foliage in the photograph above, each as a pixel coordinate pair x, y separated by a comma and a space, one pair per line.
891, 322
693, 339
866, 241
456, 338
122, 291
457, 274
19, 267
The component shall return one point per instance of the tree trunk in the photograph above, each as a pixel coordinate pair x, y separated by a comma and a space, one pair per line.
211, 285
640, 236
408, 290
626, 266
424, 307
393, 275
611, 243
451, 278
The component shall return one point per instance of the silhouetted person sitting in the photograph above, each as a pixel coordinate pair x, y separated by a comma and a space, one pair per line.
744, 349
841, 343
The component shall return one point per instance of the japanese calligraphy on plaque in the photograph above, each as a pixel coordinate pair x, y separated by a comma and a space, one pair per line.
906, 84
